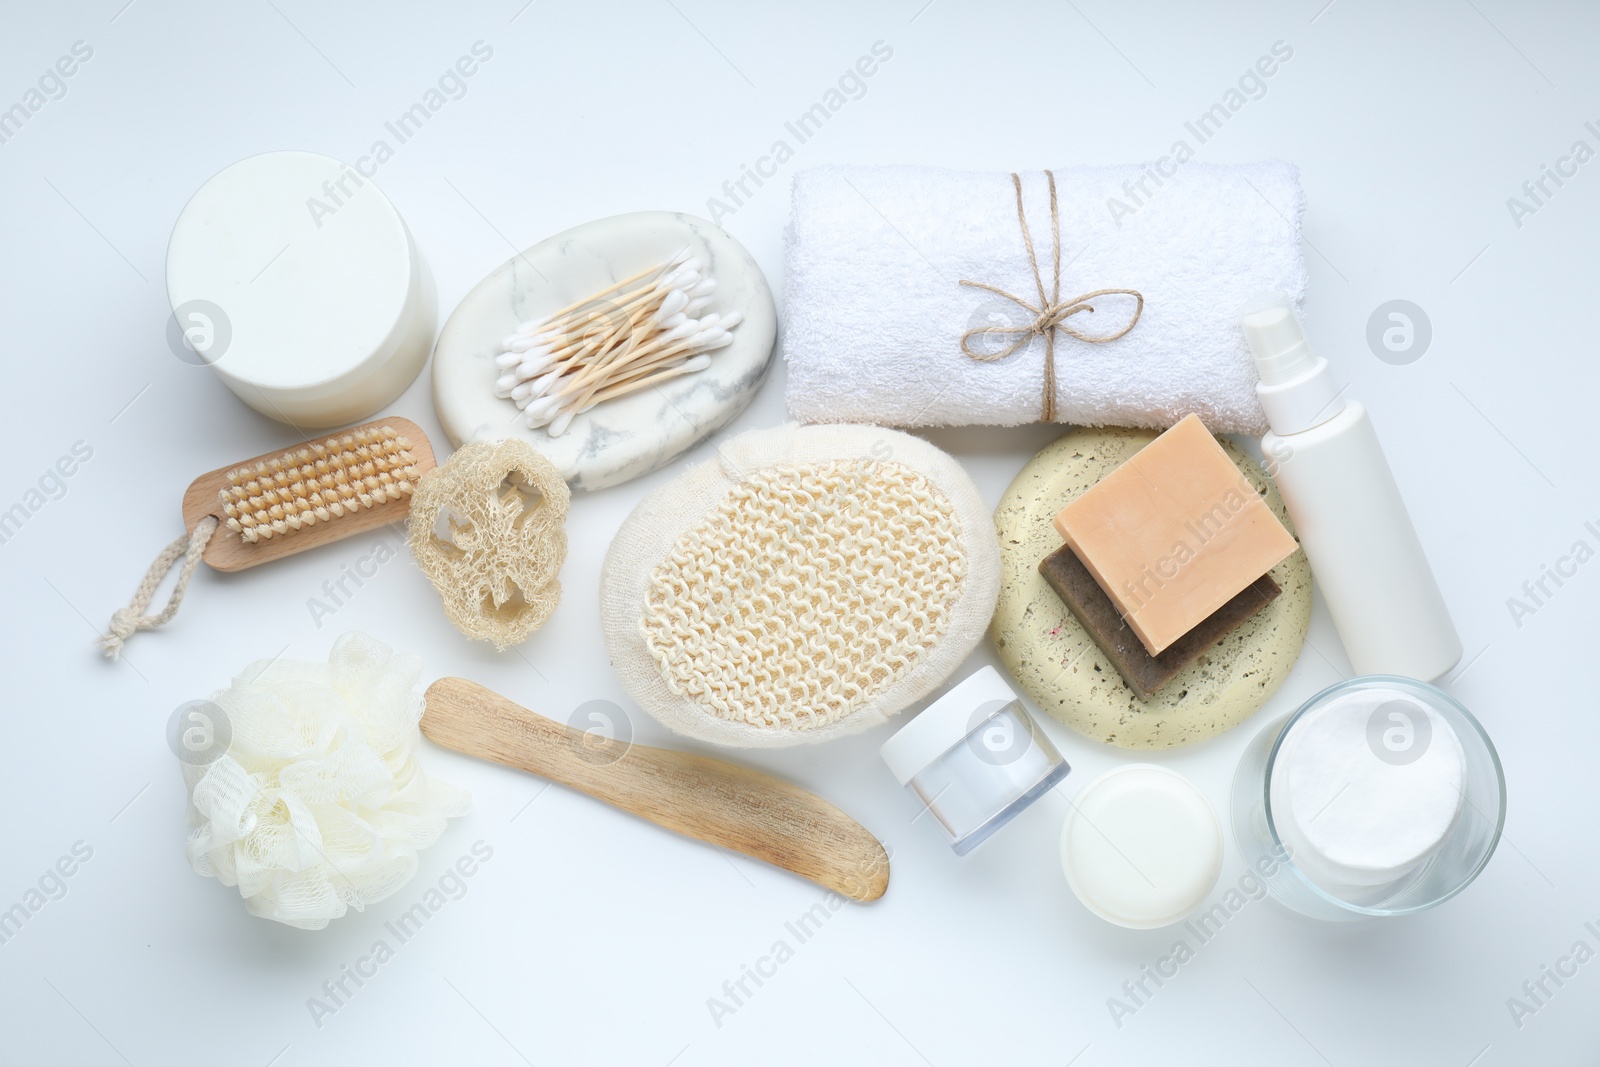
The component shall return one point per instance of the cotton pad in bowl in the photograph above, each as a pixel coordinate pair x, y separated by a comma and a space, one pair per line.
808, 583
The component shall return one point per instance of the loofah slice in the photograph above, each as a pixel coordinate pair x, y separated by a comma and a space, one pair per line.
812, 583
487, 528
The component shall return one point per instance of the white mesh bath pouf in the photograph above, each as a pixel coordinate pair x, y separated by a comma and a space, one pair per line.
808, 583
304, 785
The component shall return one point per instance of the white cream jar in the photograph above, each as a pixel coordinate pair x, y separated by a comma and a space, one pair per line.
975, 758
296, 279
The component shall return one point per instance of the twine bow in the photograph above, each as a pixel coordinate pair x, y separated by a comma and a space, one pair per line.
1052, 312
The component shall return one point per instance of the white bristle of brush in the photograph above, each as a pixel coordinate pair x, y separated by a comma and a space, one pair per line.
318, 483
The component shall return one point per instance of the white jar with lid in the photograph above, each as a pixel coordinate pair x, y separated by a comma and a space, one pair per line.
1142, 847
975, 758
297, 281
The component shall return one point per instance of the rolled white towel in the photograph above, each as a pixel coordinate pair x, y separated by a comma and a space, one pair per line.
875, 311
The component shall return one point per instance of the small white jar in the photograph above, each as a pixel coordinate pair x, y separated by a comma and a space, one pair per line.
297, 281
975, 758
1142, 847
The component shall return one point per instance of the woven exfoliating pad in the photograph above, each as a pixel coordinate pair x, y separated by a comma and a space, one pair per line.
808, 583
1058, 664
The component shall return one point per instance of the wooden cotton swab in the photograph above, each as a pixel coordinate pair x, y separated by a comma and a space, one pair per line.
670, 281
599, 349
663, 268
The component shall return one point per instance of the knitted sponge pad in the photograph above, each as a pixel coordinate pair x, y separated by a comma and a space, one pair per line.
812, 583
809, 588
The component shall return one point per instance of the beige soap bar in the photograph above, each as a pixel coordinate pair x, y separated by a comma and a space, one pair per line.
1174, 533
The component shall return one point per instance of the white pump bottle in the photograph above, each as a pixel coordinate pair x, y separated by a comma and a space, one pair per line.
1346, 506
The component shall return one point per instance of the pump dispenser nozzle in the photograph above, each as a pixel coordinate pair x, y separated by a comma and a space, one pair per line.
1276, 339
1296, 390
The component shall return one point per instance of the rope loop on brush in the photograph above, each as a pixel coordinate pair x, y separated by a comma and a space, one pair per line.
125, 622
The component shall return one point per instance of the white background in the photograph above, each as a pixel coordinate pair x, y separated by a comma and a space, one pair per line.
591, 937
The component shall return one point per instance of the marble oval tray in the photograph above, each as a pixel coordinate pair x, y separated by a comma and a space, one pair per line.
633, 435
1057, 663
